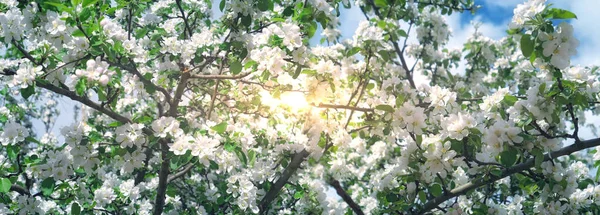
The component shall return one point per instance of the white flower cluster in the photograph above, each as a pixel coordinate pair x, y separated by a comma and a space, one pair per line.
456, 126
440, 158
489, 102
132, 160
58, 166
435, 28
58, 32
12, 25
104, 195
536, 104
13, 133
130, 134
441, 99
411, 117
82, 154
96, 70
367, 32
526, 11
270, 59
166, 126
560, 45
113, 30
244, 191
26, 75
496, 136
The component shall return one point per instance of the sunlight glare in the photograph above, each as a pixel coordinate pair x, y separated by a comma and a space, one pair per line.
295, 100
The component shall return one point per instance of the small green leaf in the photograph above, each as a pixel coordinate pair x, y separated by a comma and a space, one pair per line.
80, 87
246, 21
220, 128
527, 45
402, 33
422, 196
5, 185
381, 3
222, 5
264, 5
48, 186
32, 140
508, 158
27, 92
235, 67
88, 2
299, 194
556, 13
419, 139
510, 100
78, 33
75, 208
436, 190
353, 51
392, 197
539, 157
385, 108
297, 72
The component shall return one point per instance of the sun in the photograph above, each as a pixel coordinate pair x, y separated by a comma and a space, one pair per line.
296, 100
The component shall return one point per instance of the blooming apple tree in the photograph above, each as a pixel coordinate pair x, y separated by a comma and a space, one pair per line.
223, 107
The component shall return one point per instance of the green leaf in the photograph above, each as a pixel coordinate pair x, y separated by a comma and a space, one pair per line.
353, 51
510, 100
539, 157
88, 2
139, 33
402, 33
80, 87
60, 6
240, 154
381, 3
385, 108
556, 13
392, 197
436, 190
5, 185
222, 5
220, 128
32, 140
27, 92
527, 45
235, 67
297, 72
78, 33
508, 158
264, 5
422, 196
299, 194
246, 21
75, 208
48, 186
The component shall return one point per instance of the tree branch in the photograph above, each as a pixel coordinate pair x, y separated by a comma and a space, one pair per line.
342, 193
577, 146
163, 173
72, 95
221, 77
345, 107
181, 173
285, 176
